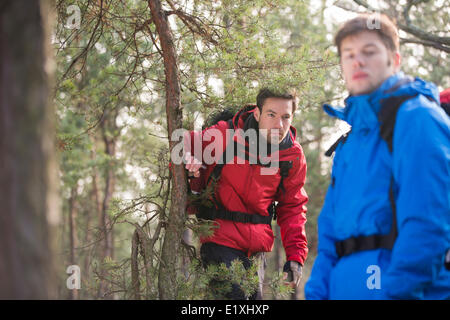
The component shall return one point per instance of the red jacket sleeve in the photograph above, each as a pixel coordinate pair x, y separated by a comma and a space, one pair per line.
202, 145
291, 212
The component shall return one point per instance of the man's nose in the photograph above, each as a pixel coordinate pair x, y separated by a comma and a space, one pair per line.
278, 124
358, 61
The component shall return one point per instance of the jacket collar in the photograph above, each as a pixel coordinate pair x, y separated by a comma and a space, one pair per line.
361, 111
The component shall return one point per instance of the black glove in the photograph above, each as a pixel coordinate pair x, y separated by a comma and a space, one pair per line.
293, 272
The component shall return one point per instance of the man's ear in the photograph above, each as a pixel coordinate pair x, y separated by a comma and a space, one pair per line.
396, 60
257, 114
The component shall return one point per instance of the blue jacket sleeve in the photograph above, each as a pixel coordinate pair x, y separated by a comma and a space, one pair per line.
421, 168
317, 287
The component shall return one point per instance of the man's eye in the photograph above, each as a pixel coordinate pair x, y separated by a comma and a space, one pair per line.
348, 56
271, 115
369, 53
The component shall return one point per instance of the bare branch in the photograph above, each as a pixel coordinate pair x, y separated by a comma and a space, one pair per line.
426, 44
364, 4
193, 23
416, 31
91, 43
424, 37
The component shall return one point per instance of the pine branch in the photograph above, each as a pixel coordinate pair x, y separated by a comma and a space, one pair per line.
91, 43
426, 44
424, 37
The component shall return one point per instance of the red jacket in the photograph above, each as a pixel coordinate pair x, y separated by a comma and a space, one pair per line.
445, 96
243, 188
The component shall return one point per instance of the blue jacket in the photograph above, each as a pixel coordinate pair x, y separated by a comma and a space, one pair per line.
357, 202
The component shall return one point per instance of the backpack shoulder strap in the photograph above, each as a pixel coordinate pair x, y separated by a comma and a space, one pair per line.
285, 166
389, 109
388, 115
334, 146
446, 107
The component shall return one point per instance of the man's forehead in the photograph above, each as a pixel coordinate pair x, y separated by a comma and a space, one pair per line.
272, 110
361, 40
278, 105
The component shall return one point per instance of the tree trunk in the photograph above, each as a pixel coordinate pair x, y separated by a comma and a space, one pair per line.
88, 236
279, 250
108, 127
187, 239
135, 284
29, 207
74, 294
94, 238
174, 227
90, 212
279, 253
106, 220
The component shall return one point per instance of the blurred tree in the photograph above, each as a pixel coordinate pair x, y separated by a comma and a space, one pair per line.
27, 165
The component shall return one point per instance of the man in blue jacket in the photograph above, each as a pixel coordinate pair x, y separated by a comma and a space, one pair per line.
384, 229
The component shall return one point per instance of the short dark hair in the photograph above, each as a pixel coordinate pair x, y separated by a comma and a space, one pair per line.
266, 93
375, 22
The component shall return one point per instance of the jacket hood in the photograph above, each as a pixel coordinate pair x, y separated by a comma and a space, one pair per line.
361, 111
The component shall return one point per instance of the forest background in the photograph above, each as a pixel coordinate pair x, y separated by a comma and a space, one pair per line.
93, 89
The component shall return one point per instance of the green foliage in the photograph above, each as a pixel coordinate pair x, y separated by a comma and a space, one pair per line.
216, 281
277, 288
195, 285
201, 228
222, 278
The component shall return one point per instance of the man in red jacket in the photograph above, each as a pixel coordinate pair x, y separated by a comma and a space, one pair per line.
249, 186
